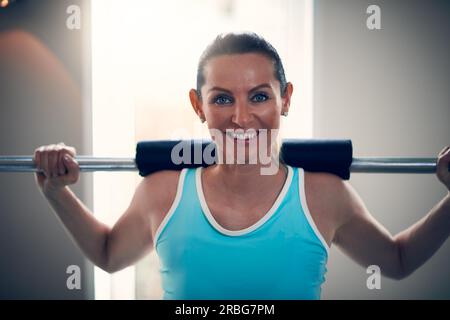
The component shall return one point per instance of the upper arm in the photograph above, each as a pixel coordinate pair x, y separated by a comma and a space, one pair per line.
131, 237
360, 235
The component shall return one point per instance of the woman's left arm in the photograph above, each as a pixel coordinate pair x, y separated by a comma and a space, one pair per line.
367, 242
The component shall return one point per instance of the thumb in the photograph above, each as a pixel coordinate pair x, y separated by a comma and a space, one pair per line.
70, 163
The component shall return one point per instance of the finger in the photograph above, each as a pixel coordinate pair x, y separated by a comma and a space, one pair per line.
444, 159
442, 170
38, 163
71, 150
53, 162
72, 167
36, 158
60, 164
447, 153
44, 161
62, 170
73, 164
446, 149
443, 163
66, 152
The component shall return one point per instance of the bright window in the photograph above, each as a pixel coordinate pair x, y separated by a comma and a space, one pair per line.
144, 60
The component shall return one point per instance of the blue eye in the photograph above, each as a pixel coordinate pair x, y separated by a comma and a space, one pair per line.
222, 99
260, 97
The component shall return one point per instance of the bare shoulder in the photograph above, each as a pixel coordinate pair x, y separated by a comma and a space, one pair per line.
327, 195
159, 188
155, 195
340, 194
323, 178
326, 186
164, 177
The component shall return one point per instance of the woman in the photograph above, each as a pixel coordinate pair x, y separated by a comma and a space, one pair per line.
229, 231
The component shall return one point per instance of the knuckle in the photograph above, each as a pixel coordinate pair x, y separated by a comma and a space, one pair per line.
73, 151
68, 150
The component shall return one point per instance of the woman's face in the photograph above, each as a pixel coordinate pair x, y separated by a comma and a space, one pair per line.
241, 102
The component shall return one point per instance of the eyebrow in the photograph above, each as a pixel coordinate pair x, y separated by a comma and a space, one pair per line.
264, 85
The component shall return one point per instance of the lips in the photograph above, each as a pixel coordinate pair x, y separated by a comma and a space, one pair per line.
242, 135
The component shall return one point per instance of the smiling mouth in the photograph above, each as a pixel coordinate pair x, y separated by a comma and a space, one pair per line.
242, 136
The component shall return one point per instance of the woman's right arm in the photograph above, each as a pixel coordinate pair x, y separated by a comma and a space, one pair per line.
113, 248
57, 169
89, 234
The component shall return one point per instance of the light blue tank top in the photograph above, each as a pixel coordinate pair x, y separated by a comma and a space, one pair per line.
282, 256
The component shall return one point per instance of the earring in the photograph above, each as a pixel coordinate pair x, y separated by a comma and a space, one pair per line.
202, 120
285, 113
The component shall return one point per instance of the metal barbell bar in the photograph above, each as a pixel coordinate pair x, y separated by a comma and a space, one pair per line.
361, 165
86, 164
319, 155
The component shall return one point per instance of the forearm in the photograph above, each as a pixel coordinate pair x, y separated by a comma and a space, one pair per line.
89, 234
419, 242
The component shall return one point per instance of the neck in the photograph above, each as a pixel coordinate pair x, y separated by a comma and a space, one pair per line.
244, 179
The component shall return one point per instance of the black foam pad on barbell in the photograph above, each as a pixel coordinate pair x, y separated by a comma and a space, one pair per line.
316, 155
319, 155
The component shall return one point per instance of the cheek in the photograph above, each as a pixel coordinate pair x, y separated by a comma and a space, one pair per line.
218, 118
271, 117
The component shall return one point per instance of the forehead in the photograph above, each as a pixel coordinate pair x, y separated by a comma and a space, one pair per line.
239, 69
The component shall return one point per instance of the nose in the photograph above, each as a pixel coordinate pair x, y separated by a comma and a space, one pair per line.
242, 115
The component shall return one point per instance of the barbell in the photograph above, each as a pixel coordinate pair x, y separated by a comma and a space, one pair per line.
317, 155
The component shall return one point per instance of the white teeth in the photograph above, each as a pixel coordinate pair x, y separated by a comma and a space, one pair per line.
242, 136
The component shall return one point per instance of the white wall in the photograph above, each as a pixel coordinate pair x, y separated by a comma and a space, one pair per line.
387, 90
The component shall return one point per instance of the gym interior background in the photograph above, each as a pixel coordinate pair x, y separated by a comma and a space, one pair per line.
387, 90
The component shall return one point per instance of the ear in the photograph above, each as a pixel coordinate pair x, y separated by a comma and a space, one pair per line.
196, 103
286, 98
